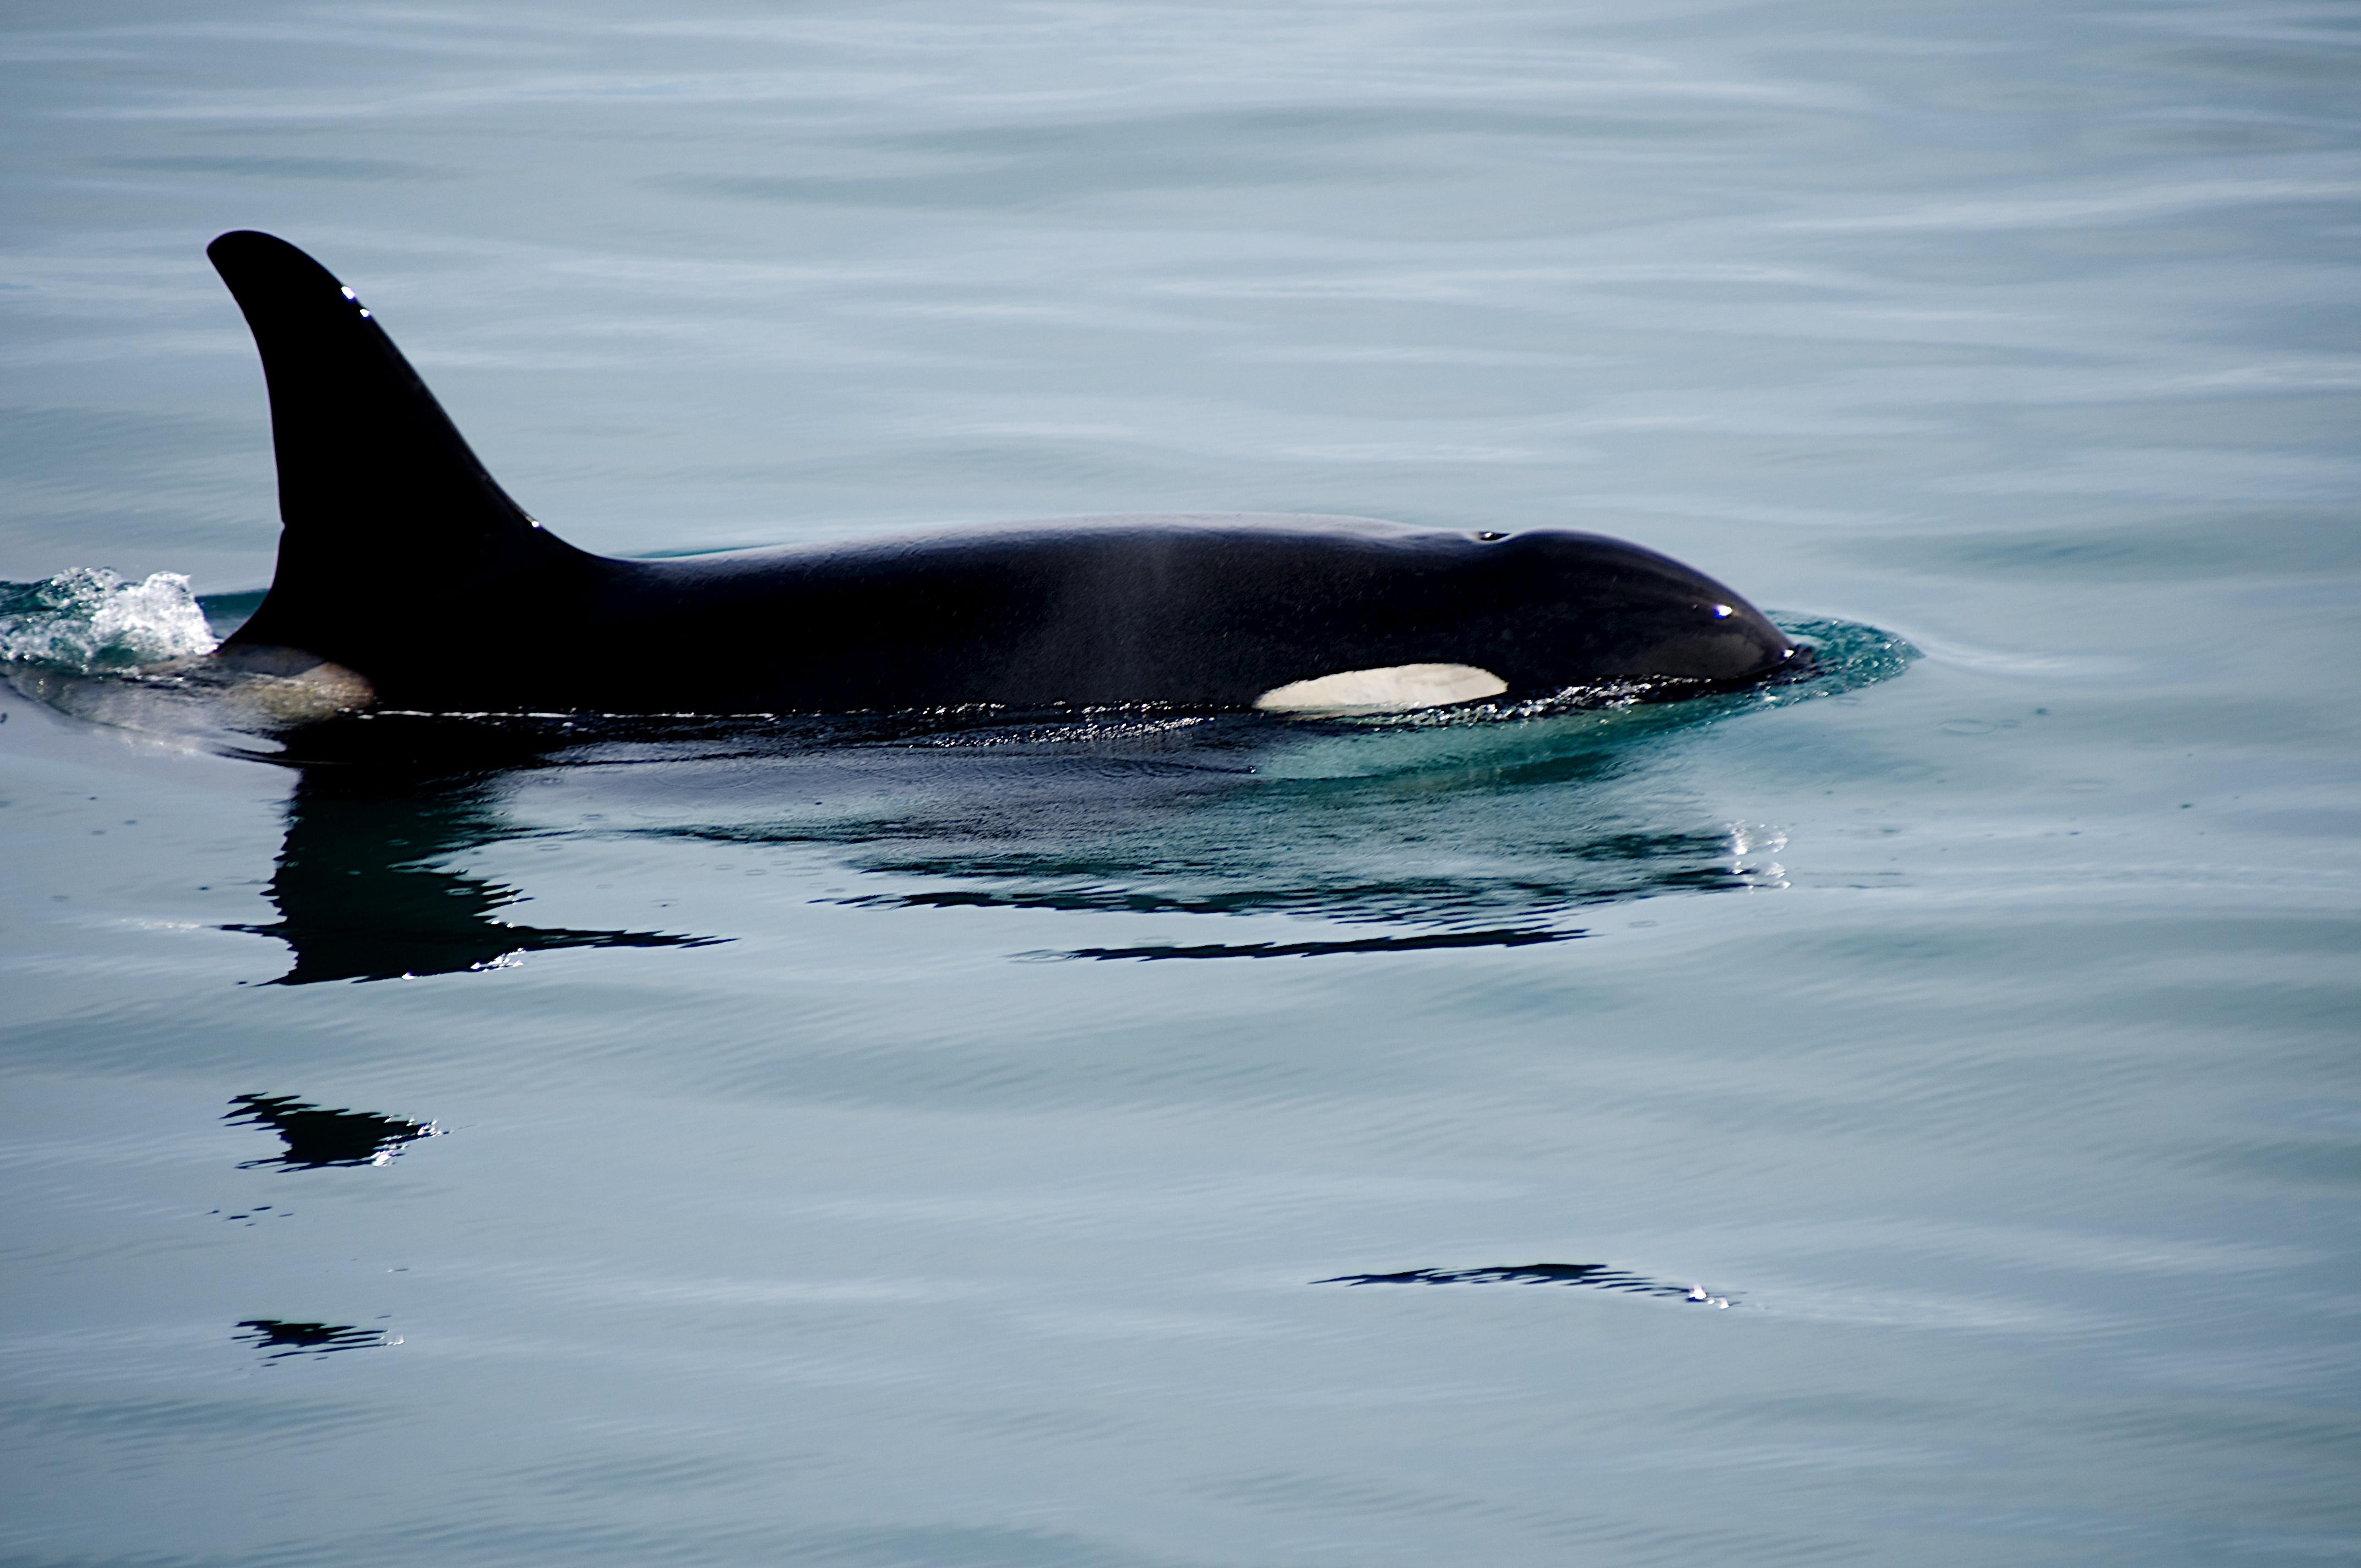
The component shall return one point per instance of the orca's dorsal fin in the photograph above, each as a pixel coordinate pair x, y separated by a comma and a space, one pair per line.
387, 515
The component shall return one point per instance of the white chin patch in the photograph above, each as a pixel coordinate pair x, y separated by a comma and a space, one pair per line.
1397, 688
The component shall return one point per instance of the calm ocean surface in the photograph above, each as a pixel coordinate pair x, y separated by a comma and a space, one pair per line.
954, 1149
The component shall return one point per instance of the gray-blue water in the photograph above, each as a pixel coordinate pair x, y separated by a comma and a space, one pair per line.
916, 1153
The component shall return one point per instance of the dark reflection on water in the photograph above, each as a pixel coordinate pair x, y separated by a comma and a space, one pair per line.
1482, 853
316, 1136
361, 895
1537, 870
1458, 829
252, 1217
278, 1338
1405, 855
1595, 1276
1475, 836
1465, 835
1455, 830
1320, 950
1614, 866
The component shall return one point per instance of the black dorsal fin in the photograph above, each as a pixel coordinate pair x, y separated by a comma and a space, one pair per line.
388, 517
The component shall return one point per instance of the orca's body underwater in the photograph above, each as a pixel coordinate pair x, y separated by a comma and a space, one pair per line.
403, 563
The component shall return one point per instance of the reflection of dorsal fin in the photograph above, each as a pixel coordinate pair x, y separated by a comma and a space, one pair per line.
382, 502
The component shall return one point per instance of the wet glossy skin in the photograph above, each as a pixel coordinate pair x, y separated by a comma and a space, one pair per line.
402, 560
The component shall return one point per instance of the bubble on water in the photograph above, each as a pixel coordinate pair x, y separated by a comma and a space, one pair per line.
89, 620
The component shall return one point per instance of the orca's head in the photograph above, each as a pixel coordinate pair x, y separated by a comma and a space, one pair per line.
1644, 616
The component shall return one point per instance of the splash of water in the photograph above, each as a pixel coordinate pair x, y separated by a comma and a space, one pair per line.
89, 620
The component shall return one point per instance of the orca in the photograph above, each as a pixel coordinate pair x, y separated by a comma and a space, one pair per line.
408, 580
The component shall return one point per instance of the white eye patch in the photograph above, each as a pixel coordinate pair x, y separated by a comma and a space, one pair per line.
1397, 688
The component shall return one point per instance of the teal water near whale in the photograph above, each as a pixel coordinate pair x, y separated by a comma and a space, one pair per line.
1911, 1113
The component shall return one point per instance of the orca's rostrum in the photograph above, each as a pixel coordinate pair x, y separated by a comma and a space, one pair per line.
408, 580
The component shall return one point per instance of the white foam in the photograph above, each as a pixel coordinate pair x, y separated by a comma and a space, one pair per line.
88, 620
